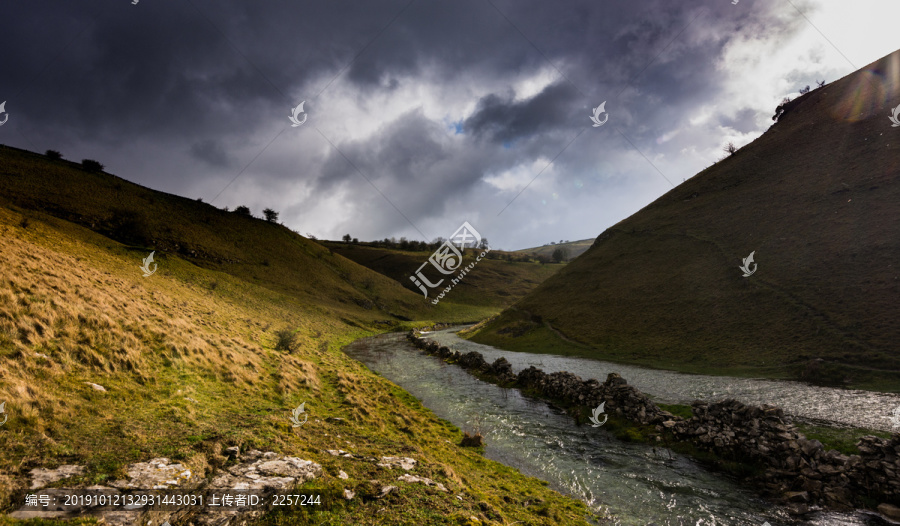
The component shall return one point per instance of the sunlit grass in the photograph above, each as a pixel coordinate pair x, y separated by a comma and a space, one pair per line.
190, 369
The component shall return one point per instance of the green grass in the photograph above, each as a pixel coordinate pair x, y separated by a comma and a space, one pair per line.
841, 439
491, 285
76, 295
684, 411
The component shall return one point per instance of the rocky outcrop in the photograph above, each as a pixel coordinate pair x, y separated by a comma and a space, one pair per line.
157, 473
258, 470
41, 477
797, 471
262, 472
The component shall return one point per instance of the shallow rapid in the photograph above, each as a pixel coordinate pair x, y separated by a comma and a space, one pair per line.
630, 484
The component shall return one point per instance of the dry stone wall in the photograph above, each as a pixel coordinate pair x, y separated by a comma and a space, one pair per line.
798, 471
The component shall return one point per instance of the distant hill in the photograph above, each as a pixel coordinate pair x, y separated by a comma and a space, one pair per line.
493, 283
575, 249
816, 199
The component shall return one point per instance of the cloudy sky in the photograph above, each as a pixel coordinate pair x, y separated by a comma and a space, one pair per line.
420, 114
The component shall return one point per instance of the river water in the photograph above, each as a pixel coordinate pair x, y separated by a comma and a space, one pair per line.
628, 484
836, 407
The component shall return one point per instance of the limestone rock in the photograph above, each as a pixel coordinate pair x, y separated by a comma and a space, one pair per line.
266, 471
404, 463
406, 477
157, 473
386, 490
890, 511
40, 477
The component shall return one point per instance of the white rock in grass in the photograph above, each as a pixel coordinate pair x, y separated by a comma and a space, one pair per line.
405, 463
406, 477
386, 490
40, 477
96, 387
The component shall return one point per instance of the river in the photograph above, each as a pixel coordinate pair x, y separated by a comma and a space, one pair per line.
832, 406
629, 484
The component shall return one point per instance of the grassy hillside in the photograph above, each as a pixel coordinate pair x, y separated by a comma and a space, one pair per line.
188, 358
248, 248
575, 248
494, 283
816, 197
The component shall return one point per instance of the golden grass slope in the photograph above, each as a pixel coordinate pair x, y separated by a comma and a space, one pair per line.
248, 248
191, 368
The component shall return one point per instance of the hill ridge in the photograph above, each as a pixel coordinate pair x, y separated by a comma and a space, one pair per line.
814, 197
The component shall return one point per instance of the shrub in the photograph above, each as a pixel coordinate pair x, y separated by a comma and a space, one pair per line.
559, 255
780, 109
472, 441
346, 238
271, 215
127, 226
243, 210
285, 340
53, 154
730, 148
91, 165
804, 91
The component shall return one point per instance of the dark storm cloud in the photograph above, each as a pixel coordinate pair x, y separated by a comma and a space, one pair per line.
211, 83
502, 119
411, 161
212, 152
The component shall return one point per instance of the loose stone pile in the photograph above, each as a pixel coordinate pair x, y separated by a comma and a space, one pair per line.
797, 471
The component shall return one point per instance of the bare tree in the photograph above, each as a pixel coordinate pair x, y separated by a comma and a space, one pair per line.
730, 148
